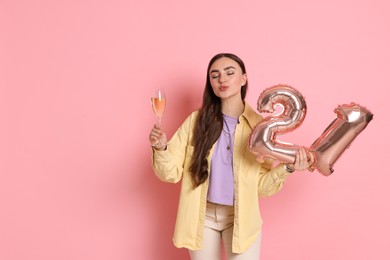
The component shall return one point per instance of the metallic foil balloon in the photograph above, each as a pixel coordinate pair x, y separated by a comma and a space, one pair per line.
351, 120
262, 141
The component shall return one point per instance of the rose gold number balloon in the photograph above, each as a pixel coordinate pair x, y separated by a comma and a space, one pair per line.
351, 120
262, 141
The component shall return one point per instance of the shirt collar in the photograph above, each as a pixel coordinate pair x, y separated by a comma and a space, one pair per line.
250, 115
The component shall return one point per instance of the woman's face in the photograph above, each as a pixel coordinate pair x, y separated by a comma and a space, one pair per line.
226, 78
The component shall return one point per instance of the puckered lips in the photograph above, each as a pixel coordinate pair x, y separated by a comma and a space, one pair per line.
223, 87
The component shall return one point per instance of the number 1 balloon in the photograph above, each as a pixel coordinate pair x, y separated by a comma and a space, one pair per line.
350, 121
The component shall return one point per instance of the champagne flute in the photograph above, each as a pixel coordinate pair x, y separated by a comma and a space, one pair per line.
158, 104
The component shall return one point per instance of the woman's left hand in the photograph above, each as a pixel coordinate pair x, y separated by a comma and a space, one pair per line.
303, 160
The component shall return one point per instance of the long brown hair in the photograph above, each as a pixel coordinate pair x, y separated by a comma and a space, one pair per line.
208, 125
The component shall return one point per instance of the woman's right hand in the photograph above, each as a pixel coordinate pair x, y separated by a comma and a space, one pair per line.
158, 138
304, 160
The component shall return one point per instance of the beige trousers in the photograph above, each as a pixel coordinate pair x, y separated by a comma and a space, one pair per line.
218, 233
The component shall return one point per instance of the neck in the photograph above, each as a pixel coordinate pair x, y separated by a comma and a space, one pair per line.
233, 108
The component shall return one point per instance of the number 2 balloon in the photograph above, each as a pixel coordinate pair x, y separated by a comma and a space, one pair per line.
263, 141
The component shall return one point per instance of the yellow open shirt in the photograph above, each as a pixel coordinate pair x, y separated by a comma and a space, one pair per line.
251, 180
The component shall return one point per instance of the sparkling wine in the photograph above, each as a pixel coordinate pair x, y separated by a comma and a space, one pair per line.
158, 105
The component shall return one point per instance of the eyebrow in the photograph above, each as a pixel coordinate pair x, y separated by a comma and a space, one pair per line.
227, 68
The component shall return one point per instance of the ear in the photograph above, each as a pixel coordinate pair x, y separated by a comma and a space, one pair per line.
244, 79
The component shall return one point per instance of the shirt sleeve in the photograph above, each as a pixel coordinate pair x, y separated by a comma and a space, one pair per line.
271, 178
168, 164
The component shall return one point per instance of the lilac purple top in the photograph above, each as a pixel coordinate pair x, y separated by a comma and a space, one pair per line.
221, 187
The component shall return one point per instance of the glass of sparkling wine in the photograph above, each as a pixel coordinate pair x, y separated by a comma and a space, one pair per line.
158, 103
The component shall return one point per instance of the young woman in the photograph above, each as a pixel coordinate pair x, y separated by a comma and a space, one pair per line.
221, 180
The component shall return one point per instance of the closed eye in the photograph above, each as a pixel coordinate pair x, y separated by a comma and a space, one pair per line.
229, 71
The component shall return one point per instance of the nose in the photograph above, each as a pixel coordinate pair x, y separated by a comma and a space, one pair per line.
222, 78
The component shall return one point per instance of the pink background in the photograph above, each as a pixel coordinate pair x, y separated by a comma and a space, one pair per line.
75, 83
